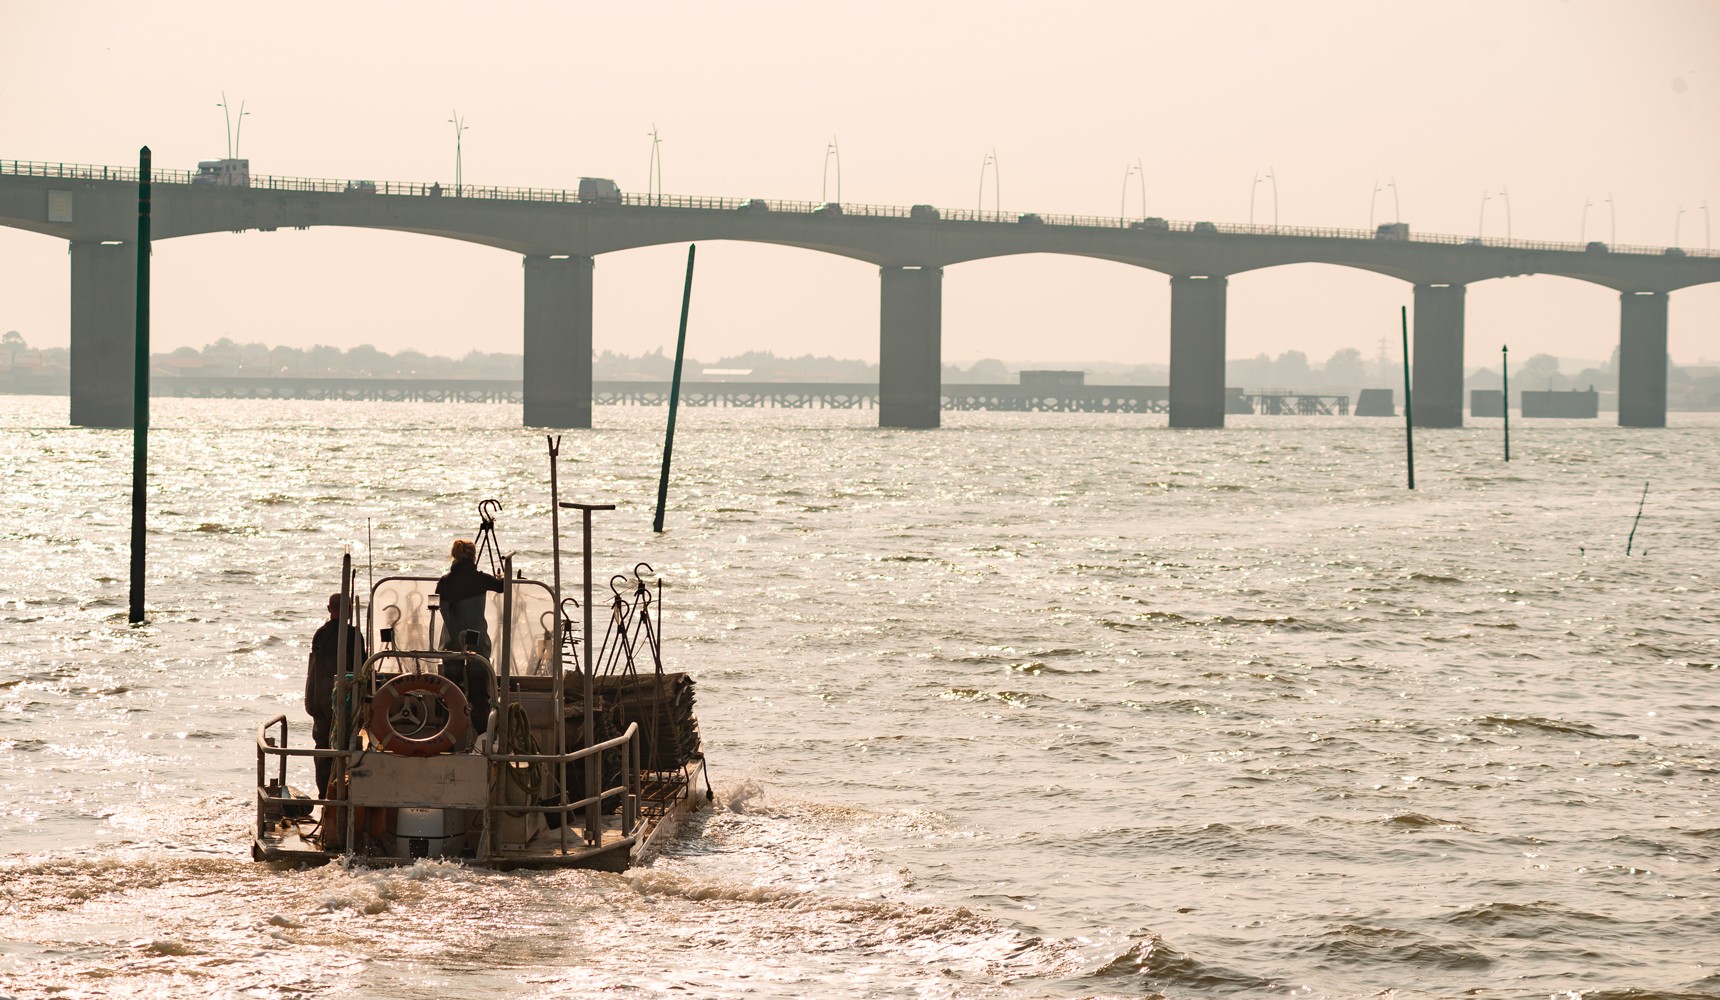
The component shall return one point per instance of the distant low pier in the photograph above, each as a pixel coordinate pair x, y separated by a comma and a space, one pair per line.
777, 395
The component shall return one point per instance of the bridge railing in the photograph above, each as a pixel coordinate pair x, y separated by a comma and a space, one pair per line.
415, 189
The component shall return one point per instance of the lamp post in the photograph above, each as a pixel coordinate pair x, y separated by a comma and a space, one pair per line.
1123, 205
996, 185
232, 134
1707, 245
654, 169
1272, 175
1583, 230
1612, 231
1141, 177
459, 129
1505, 195
1481, 228
1676, 219
1371, 199
829, 151
1397, 212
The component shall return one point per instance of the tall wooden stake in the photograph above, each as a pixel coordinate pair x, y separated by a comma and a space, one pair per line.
1408, 419
140, 395
1628, 542
1505, 371
674, 396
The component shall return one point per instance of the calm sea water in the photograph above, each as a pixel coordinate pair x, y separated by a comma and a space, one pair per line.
1033, 705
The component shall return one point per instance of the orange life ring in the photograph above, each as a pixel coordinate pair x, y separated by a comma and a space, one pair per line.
387, 699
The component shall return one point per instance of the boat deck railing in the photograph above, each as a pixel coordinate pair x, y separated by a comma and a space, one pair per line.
276, 749
628, 790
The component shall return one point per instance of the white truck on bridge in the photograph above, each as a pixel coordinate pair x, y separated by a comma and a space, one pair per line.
223, 173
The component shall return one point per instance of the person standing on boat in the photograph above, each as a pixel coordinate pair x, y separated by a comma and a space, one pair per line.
319, 683
464, 593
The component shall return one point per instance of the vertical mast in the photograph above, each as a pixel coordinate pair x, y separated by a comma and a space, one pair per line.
140, 395
588, 677
557, 684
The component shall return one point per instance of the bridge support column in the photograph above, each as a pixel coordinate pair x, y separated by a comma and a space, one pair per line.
1437, 363
104, 333
557, 379
910, 347
1197, 350
1642, 359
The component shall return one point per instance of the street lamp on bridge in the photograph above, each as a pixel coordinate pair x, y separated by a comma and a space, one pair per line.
654, 169
1505, 195
996, 184
1707, 245
829, 151
1676, 219
1612, 231
1583, 229
459, 129
1397, 213
1139, 171
1272, 176
1481, 227
232, 135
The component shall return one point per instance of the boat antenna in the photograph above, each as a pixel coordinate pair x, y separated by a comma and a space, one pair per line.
487, 511
369, 563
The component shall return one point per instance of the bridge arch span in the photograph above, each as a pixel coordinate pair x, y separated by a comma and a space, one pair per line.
1046, 307
1317, 309
790, 300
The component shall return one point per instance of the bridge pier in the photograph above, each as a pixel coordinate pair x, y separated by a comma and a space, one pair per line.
556, 384
910, 347
1197, 350
1437, 374
104, 333
1642, 359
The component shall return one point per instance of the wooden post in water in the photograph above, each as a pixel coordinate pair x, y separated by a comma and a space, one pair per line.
140, 395
674, 396
1408, 419
1505, 394
1628, 542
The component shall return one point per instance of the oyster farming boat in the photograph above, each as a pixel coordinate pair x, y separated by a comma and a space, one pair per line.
522, 748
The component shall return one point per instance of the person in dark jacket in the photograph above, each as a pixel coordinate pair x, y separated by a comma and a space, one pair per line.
463, 593
319, 683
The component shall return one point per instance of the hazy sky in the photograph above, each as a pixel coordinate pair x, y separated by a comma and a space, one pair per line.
1557, 103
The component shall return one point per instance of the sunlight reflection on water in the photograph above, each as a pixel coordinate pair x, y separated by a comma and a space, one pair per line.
1030, 705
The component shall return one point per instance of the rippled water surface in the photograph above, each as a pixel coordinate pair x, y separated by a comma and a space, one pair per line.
1032, 705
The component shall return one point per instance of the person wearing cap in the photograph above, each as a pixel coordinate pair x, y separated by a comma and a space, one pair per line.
319, 683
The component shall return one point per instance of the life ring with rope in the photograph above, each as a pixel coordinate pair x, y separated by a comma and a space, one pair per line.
402, 701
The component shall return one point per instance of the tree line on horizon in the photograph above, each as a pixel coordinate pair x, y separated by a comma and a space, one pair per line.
1346, 371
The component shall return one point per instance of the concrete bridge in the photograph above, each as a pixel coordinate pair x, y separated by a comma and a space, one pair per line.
559, 236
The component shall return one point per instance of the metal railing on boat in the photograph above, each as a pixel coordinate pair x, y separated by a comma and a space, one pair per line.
628, 790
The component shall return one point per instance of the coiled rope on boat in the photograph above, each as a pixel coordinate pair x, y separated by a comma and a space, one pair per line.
526, 776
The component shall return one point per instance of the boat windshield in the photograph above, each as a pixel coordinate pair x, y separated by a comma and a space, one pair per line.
403, 603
